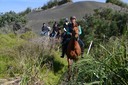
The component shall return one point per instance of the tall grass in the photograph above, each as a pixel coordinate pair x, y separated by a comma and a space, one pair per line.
31, 59
107, 64
7, 42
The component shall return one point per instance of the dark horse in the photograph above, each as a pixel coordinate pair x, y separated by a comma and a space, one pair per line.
73, 49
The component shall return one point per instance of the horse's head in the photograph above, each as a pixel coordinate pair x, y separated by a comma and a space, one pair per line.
75, 31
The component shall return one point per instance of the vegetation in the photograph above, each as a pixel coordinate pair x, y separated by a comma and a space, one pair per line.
28, 10
27, 55
53, 3
104, 24
117, 2
12, 22
107, 62
10, 17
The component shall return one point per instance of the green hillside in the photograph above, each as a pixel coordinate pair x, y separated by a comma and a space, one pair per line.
35, 59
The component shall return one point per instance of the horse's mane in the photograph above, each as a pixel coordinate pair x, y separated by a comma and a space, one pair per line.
75, 32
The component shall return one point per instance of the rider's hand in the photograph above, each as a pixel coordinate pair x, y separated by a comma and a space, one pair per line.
70, 34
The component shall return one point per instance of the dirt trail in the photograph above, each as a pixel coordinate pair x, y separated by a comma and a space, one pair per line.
10, 81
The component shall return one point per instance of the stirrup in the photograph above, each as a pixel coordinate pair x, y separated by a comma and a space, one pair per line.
62, 56
82, 56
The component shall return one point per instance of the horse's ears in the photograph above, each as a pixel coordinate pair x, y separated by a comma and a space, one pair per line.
75, 25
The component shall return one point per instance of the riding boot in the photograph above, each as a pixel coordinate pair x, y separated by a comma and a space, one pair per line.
63, 52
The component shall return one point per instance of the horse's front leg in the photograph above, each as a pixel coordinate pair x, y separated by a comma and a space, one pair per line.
69, 68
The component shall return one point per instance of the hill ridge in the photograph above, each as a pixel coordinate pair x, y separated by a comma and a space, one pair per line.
79, 9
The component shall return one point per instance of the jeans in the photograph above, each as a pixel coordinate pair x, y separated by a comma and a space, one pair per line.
81, 43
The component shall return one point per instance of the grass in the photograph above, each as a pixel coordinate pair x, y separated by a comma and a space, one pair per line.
7, 42
58, 69
34, 61
30, 59
10, 40
106, 64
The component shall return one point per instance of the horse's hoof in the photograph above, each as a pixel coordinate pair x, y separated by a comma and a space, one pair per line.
62, 56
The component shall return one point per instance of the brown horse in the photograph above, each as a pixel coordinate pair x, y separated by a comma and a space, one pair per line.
73, 49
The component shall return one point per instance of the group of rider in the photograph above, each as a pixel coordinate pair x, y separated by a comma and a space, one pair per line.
46, 30
67, 27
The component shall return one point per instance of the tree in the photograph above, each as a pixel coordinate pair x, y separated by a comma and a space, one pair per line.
28, 10
53, 3
10, 17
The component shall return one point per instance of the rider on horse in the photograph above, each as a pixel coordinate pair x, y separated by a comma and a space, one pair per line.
68, 33
55, 30
45, 30
65, 33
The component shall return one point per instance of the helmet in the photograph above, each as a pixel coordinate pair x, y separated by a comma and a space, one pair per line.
44, 24
66, 19
73, 17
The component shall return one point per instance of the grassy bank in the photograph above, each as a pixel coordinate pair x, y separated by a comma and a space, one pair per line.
30, 58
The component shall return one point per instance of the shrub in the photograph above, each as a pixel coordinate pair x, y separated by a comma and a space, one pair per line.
104, 24
10, 17
106, 64
117, 2
33, 61
28, 35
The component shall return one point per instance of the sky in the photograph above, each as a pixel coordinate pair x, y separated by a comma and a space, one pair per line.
20, 5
